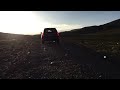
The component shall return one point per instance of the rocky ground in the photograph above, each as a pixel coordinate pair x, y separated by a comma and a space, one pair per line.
27, 58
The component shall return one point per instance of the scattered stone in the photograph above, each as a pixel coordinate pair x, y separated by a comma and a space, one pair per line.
105, 57
51, 63
100, 76
44, 49
28, 52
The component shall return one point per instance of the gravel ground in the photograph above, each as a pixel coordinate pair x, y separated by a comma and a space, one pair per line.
29, 59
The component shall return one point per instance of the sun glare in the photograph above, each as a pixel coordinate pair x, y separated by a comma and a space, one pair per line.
28, 23
20, 22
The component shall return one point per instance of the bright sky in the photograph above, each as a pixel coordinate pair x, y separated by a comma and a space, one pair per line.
33, 22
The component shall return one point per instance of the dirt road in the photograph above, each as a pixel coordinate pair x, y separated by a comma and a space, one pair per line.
29, 59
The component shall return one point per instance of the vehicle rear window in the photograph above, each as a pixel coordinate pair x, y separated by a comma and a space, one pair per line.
50, 31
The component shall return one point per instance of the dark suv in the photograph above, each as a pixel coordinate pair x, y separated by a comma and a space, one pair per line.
50, 34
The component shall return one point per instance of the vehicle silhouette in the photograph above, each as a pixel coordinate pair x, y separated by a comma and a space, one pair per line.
50, 35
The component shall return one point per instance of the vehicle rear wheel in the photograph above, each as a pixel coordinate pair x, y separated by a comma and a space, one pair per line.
43, 42
57, 42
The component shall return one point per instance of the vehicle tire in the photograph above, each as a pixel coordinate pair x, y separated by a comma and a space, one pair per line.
43, 42
57, 42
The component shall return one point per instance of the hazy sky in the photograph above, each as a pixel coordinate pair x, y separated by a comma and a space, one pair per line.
33, 22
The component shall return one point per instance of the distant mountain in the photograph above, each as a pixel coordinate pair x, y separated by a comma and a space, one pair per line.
10, 36
113, 26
